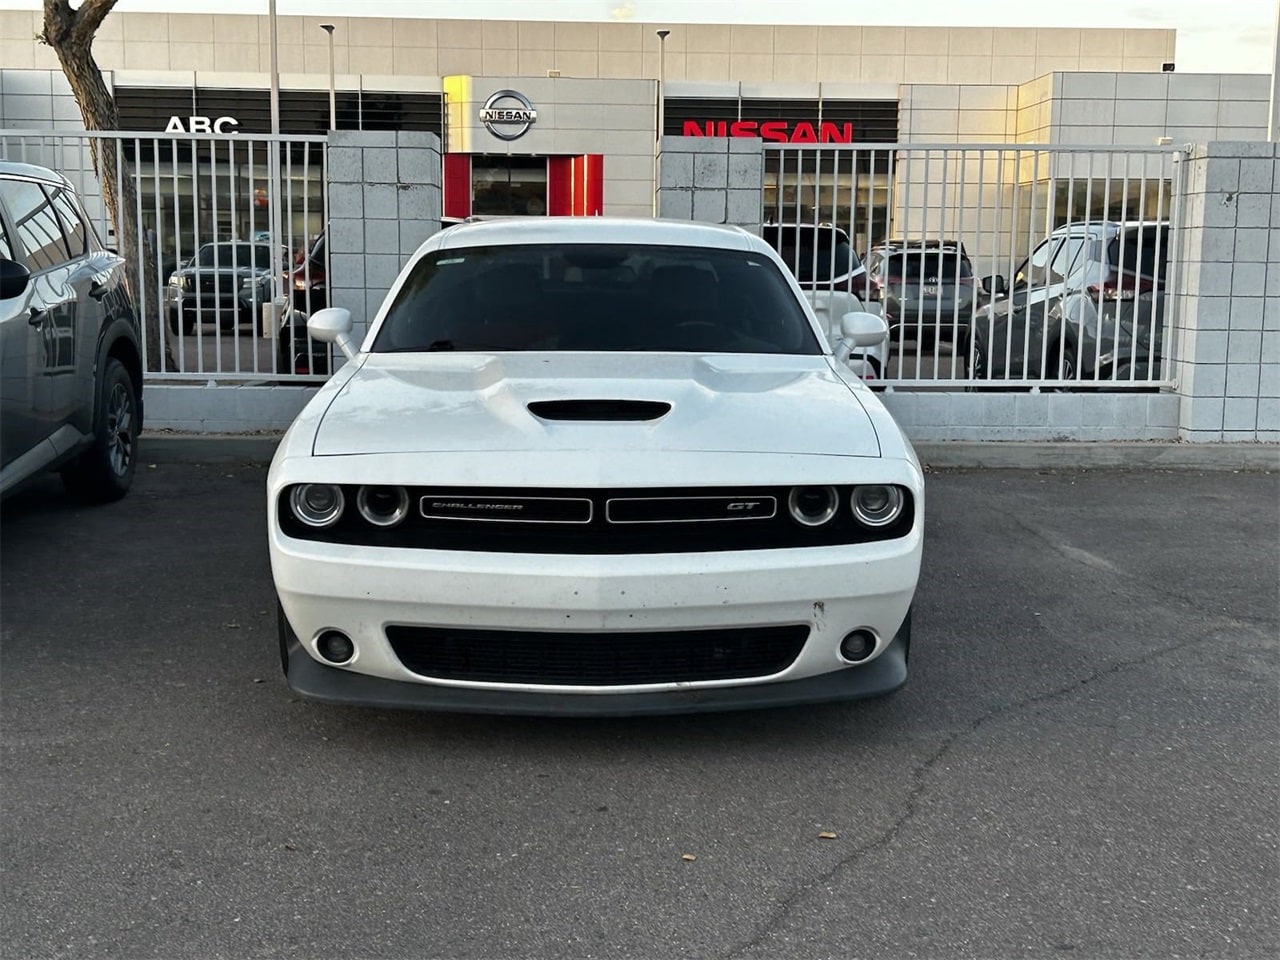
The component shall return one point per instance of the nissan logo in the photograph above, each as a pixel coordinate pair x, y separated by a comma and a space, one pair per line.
508, 115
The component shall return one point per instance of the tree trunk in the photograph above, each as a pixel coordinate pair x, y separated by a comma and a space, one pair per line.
70, 33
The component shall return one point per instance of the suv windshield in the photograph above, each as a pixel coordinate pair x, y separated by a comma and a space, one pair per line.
914, 266
608, 297
241, 254
813, 254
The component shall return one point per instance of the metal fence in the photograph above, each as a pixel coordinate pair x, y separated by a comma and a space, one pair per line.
995, 266
230, 241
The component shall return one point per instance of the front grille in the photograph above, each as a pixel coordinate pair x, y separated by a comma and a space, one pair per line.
596, 659
218, 283
608, 521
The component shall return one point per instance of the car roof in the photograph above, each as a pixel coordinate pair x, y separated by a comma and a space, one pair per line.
553, 230
9, 168
1106, 227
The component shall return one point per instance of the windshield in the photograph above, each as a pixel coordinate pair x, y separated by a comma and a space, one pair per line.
609, 297
257, 255
813, 254
930, 266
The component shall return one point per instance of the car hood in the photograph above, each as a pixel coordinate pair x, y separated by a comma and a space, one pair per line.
723, 403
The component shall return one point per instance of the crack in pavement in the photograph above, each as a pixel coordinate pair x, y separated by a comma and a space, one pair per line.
919, 775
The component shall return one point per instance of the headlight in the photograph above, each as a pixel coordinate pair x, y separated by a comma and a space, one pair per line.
812, 506
251, 283
876, 506
383, 506
317, 504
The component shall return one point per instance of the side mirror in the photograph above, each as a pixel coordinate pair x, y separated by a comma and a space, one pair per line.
863, 329
14, 278
860, 330
333, 325
995, 285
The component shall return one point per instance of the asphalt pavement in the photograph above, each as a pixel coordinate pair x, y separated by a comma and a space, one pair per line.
1084, 763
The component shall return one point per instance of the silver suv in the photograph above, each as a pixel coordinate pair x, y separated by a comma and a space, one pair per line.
1086, 303
70, 361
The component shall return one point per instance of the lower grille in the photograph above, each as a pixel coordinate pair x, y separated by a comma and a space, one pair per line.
596, 659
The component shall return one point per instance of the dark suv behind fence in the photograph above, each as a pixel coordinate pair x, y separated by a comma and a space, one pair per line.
70, 362
1087, 304
926, 287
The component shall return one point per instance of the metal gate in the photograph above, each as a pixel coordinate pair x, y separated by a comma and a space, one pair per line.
996, 266
231, 237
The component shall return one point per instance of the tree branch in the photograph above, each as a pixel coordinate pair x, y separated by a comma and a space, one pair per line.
90, 16
59, 19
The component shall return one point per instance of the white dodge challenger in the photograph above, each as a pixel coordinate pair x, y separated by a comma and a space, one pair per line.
594, 466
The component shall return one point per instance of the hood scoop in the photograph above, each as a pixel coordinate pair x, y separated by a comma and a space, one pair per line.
609, 410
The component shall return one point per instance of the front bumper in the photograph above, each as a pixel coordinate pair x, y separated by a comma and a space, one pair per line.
362, 590
316, 681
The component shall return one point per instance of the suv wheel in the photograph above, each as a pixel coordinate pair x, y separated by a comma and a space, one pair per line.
104, 471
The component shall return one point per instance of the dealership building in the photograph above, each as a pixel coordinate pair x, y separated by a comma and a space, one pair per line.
991, 136
593, 92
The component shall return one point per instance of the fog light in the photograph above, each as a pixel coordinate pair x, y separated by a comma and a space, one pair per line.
858, 645
335, 647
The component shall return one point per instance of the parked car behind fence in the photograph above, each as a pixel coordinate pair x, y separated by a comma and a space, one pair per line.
926, 287
822, 259
1087, 304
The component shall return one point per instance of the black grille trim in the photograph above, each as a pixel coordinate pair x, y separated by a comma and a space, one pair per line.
600, 536
596, 659
689, 509
506, 509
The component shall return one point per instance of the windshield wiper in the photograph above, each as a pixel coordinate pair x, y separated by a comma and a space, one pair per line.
439, 345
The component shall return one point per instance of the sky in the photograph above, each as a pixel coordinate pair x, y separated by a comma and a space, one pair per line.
1236, 36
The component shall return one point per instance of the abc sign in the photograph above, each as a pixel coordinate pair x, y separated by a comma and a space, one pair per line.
202, 125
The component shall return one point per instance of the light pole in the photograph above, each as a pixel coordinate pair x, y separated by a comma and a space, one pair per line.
275, 189
333, 97
662, 115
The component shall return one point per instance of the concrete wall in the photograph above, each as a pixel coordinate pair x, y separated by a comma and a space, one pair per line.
384, 201
1228, 312
710, 52
712, 179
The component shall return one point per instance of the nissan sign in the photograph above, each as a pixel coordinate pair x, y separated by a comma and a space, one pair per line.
508, 115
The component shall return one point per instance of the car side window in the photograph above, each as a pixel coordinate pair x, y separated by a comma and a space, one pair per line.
1064, 261
1034, 269
36, 225
72, 225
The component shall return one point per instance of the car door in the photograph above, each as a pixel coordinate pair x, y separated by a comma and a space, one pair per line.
75, 336
20, 428
40, 331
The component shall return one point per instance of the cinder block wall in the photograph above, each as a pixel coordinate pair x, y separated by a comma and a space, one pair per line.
713, 180
1227, 330
384, 201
